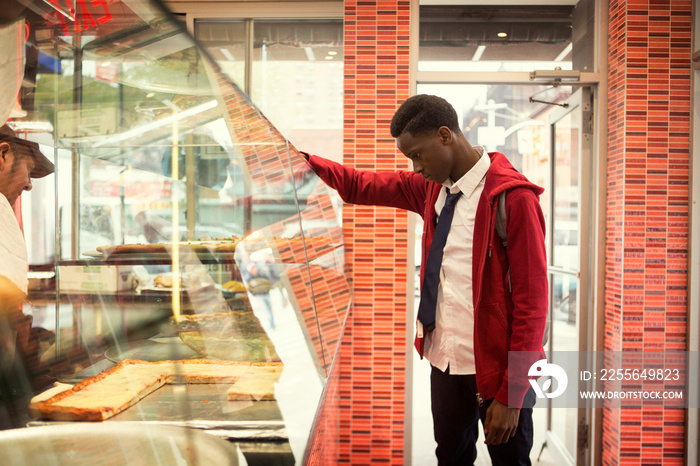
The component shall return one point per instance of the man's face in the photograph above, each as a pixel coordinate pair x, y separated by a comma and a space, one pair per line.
14, 172
429, 152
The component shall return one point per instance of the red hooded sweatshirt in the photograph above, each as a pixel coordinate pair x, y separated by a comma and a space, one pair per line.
504, 321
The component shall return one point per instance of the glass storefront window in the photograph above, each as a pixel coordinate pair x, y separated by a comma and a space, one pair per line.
502, 118
505, 38
296, 74
225, 41
567, 192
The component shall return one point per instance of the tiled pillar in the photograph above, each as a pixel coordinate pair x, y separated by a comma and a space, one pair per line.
373, 353
649, 62
362, 419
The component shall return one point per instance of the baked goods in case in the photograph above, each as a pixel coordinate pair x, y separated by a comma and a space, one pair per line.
229, 336
217, 245
234, 286
135, 249
194, 279
102, 396
259, 386
167, 281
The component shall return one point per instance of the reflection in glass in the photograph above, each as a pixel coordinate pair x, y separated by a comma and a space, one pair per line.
501, 118
564, 312
225, 41
296, 74
164, 168
298, 81
567, 192
564, 338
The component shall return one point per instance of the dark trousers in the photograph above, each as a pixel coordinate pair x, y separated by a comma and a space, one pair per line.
456, 414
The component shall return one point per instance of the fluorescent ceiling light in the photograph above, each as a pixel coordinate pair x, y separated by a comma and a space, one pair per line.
565, 52
57, 7
479, 52
227, 54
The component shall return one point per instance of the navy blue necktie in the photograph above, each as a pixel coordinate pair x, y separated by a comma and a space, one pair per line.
431, 279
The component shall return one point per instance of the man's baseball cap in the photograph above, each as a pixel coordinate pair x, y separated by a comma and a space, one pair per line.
42, 165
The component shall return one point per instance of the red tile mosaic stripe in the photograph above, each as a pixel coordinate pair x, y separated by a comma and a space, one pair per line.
371, 366
649, 77
323, 447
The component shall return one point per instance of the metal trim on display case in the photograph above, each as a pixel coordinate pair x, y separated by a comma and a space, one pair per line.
112, 444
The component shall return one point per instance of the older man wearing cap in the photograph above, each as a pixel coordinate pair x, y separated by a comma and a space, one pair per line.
20, 161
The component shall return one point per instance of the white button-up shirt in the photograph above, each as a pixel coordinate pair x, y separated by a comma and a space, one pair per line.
452, 342
13, 251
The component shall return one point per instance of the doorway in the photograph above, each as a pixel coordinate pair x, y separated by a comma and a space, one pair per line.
489, 61
568, 264
551, 144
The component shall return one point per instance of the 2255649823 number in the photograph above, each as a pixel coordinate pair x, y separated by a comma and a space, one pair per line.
639, 374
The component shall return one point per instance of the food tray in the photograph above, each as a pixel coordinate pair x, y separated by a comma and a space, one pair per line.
148, 350
161, 253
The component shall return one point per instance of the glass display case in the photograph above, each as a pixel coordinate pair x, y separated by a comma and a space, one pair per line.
197, 260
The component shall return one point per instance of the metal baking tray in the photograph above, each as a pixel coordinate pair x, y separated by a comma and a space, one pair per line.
204, 407
165, 349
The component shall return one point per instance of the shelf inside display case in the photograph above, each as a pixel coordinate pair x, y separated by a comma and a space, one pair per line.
208, 252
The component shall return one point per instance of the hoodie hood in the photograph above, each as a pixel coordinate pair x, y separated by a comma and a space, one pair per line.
502, 176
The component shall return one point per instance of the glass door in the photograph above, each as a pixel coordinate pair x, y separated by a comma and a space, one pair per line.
568, 255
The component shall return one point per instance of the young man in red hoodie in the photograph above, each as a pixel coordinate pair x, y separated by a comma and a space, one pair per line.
488, 300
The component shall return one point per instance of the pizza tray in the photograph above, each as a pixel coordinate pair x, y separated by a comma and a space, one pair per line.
148, 350
161, 253
162, 290
113, 444
204, 407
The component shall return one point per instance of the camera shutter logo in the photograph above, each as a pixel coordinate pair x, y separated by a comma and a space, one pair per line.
542, 368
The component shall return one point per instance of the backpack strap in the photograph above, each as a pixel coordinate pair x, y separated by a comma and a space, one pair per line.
501, 221
501, 228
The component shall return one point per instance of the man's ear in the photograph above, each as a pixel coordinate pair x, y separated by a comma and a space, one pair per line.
4, 150
445, 135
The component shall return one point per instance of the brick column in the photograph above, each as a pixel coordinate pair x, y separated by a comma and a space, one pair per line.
646, 309
373, 354
362, 420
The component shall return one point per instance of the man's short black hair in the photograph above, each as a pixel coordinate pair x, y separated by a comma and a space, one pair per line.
423, 113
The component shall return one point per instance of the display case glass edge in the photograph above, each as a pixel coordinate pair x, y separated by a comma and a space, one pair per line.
186, 225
